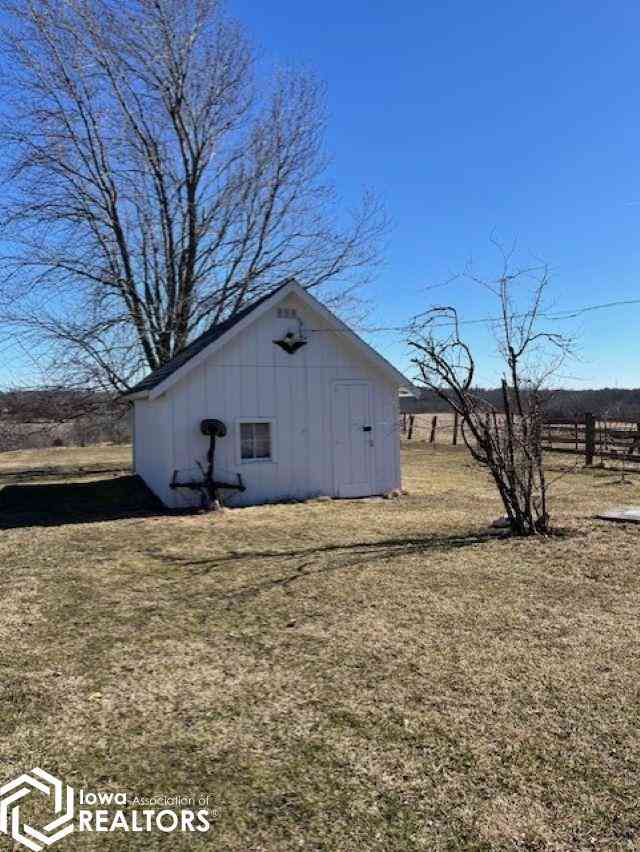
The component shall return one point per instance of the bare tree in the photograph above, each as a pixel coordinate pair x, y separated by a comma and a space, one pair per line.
506, 439
158, 182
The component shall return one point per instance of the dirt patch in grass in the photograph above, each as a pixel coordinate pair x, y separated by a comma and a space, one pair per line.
341, 675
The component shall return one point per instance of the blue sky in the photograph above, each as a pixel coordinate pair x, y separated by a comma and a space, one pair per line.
469, 118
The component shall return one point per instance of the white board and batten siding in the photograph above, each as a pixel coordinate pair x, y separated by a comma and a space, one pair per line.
333, 416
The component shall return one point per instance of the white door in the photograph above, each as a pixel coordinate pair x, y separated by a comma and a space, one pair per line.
352, 439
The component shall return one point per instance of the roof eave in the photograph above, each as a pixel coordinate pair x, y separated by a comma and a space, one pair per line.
133, 396
221, 341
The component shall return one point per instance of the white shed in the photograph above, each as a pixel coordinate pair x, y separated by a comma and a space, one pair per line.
310, 409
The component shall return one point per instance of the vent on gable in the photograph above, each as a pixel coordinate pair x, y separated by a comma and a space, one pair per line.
287, 313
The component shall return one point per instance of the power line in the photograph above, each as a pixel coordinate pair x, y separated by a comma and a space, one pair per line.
569, 313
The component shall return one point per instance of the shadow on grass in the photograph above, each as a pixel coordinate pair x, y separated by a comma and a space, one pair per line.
57, 504
315, 561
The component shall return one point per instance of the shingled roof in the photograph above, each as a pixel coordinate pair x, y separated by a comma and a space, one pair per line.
158, 376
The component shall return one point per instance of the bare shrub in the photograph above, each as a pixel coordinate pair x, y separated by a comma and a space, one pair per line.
506, 438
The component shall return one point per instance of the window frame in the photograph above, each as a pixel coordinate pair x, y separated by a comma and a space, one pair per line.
271, 459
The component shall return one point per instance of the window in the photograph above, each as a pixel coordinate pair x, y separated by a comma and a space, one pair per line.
255, 441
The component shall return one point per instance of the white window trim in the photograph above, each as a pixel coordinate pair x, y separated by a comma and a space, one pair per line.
271, 420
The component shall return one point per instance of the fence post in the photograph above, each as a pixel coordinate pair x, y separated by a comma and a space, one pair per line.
434, 424
589, 439
410, 433
455, 428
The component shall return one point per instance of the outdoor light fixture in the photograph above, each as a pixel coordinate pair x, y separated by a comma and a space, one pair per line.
291, 342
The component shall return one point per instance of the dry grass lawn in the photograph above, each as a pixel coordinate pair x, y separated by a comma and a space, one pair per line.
337, 676
65, 459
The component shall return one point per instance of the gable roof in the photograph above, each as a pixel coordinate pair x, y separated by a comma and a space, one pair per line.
158, 376
157, 382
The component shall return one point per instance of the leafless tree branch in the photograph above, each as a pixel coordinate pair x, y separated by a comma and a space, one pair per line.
157, 184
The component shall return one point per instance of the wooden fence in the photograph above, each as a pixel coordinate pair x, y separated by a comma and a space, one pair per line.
435, 428
583, 436
586, 436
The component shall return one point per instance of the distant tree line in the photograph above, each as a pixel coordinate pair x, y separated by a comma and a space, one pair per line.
60, 417
604, 403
